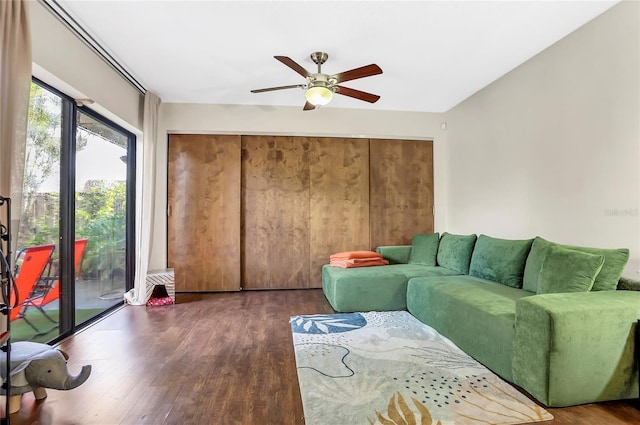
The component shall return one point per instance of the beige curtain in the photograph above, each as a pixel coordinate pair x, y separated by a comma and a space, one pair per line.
145, 202
15, 79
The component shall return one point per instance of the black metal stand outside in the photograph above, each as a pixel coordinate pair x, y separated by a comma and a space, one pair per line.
5, 288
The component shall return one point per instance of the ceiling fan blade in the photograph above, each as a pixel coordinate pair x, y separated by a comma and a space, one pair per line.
308, 107
293, 65
363, 71
293, 86
362, 95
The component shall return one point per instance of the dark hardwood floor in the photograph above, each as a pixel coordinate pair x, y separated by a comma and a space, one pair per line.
223, 358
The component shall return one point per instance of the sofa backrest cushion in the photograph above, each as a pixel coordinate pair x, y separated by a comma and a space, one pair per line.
500, 260
607, 279
424, 249
568, 270
454, 251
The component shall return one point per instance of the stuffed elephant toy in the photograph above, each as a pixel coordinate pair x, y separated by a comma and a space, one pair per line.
36, 366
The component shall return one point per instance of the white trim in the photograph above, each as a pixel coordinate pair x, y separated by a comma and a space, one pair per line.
70, 22
288, 134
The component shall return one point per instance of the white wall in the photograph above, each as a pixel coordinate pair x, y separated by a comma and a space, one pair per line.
63, 61
201, 118
550, 149
66, 63
553, 148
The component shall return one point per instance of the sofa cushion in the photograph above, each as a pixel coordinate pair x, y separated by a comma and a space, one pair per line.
424, 249
474, 313
364, 289
454, 251
500, 260
379, 288
568, 270
607, 279
414, 270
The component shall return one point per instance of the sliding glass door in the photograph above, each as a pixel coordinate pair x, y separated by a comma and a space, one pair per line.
78, 203
40, 219
100, 220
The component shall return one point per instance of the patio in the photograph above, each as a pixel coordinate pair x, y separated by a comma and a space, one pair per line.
92, 298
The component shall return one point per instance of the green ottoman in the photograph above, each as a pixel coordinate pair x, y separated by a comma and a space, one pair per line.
364, 289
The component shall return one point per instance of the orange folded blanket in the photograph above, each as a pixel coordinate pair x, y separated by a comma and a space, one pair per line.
359, 262
349, 255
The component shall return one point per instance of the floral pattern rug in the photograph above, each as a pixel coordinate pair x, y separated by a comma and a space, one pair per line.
388, 368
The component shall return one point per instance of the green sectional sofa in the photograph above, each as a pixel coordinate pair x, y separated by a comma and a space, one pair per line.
544, 316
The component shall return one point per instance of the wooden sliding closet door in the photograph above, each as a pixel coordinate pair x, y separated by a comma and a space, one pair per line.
401, 190
204, 212
339, 191
275, 206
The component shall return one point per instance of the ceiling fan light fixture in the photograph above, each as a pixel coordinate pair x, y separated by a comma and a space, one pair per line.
318, 95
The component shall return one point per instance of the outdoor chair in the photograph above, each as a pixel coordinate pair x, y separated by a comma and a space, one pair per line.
47, 289
53, 290
35, 260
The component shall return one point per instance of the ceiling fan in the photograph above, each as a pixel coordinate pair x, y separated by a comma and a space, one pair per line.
320, 87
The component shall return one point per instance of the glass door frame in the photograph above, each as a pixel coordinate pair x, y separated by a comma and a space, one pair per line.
67, 319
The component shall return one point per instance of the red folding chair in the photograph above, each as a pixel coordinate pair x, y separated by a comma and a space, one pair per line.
53, 293
47, 289
35, 260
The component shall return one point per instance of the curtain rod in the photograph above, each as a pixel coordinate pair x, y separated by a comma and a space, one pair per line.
70, 22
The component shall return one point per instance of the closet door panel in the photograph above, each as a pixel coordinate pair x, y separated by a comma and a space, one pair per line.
275, 232
339, 192
204, 212
401, 190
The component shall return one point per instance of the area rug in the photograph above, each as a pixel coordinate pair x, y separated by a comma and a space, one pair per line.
388, 368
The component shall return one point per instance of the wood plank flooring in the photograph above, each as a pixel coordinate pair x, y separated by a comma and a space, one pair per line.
223, 358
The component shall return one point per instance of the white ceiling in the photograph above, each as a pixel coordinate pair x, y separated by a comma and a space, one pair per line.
433, 54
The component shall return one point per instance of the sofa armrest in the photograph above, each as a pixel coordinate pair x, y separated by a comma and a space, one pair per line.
395, 254
576, 348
